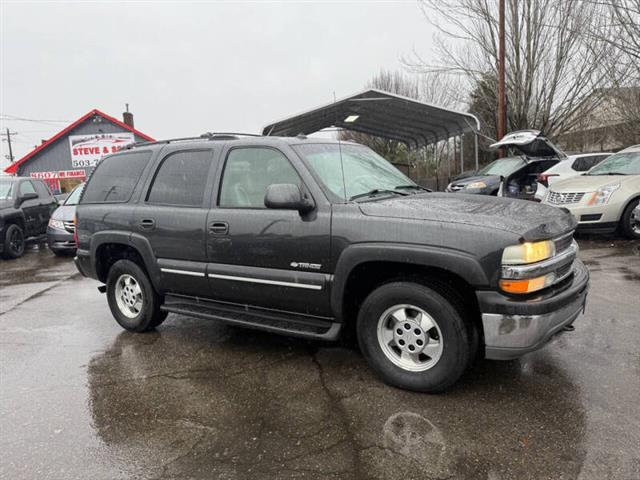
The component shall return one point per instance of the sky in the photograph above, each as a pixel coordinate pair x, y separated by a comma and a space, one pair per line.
190, 67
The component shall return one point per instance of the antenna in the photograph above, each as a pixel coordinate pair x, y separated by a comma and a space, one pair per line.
344, 183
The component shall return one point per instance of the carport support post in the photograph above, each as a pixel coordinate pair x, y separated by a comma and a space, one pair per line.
462, 153
475, 141
449, 161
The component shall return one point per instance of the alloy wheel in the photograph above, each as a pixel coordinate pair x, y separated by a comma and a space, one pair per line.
128, 295
410, 338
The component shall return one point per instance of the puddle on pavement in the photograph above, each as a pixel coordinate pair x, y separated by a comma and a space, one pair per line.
197, 397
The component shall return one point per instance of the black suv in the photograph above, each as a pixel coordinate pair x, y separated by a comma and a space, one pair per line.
25, 207
316, 238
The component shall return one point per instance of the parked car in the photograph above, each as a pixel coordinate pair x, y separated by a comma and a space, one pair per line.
486, 181
25, 207
513, 176
573, 166
312, 238
61, 225
605, 198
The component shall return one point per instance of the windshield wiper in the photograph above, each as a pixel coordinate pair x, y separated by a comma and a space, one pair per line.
607, 173
417, 187
376, 191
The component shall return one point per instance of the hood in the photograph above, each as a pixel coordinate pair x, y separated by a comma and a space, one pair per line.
530, 142
590, 183
531, 221
6, 204
64, 212
488, 179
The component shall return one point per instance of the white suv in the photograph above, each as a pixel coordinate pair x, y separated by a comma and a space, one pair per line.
605, 198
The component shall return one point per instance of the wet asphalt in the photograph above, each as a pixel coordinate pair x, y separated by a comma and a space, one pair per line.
82, 399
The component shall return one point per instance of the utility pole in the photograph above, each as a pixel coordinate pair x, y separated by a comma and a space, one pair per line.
502, 101
8, 135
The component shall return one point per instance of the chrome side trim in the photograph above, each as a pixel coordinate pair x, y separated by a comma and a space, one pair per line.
266, 282
517, 272
182, 272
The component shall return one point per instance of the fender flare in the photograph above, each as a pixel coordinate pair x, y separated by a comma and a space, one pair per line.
138, 242
459, 263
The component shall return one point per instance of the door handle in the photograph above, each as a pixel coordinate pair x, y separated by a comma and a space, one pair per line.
147, 223
218, 228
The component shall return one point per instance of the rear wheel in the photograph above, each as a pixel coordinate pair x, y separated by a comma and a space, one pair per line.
133, 302
13, 242
630, 221
414, 337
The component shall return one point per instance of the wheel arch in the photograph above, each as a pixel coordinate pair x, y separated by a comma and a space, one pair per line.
108, 247
363, 268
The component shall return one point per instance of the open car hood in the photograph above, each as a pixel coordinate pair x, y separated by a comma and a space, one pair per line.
530, 142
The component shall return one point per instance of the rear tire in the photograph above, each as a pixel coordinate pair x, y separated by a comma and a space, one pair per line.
630, 221
133, 302
13, 242
437, 346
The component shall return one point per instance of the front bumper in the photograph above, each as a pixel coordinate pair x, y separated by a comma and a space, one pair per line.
594, 218
514, 327
60, 240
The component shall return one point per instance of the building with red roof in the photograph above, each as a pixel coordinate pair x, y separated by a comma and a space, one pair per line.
68, 157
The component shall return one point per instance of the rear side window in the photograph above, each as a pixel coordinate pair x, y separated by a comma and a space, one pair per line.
181, 179
582, 164
115, 178
26, 187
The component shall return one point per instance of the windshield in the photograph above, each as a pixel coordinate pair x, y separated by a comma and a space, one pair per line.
364, 170
503, 167
74, 196
619, 164
5, 189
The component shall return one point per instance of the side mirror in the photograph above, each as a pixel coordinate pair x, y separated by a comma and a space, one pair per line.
27, 196
287, 196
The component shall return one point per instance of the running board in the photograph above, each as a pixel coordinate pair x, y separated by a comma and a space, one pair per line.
267, 320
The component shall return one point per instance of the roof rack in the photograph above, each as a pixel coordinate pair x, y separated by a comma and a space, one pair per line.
204, 136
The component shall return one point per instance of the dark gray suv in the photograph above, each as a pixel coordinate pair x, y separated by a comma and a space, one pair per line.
316, 238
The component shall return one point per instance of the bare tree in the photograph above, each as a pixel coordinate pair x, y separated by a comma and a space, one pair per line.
552, 65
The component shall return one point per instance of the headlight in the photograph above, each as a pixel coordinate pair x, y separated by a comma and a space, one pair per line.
528, 252
475, 185
602, 195
56, 224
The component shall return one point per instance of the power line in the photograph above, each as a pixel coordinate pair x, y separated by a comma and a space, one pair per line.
6, 116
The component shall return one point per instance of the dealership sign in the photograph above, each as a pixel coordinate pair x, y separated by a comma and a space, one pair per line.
60, 174
86, 150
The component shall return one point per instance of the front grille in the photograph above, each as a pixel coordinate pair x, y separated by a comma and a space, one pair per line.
564, 198
69, 226
562, 271
563, 243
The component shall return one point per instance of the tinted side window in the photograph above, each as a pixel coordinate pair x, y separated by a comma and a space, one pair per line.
582, 164
26, 187
115, 178
247, 174
181, 179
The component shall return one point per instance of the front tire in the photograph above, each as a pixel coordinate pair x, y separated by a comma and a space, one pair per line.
414, 337
133, 302
630, 221
13, 242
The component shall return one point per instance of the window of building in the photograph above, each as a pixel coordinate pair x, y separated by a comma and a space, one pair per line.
181, 179
249, 171
115, 178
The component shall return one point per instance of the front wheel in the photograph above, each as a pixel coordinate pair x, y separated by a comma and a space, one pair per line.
133, 302
630, 221
13, 242
414, 337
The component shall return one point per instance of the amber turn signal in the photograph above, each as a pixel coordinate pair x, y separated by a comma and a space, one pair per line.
526, 285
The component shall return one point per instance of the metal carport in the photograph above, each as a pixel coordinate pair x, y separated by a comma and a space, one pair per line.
383, 114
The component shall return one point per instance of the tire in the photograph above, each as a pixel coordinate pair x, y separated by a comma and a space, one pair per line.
133, 302
630, 220
13, 242
448, 345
